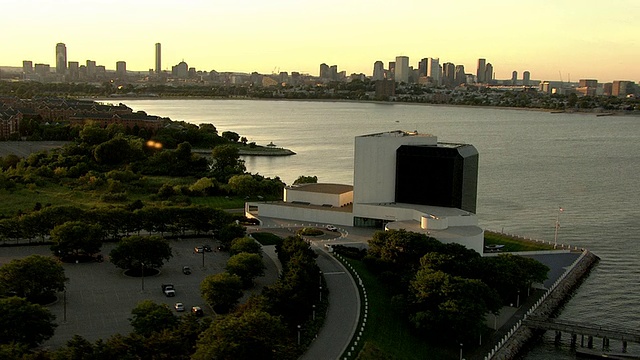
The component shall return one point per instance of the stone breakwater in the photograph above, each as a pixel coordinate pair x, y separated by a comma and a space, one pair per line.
522, 336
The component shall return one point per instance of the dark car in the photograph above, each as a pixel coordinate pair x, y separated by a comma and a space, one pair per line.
207, 248
186, 270
197, 311
198, 249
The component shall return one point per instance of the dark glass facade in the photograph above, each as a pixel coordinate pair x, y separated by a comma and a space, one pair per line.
443, 175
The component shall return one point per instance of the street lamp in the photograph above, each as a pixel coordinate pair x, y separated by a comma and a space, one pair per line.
142, 273
314, 312
320, 293
299, 334
518, 299
202, 255
64, 301
555, 236
460, 351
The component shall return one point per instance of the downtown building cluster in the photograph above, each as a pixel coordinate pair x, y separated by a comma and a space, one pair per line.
428, 72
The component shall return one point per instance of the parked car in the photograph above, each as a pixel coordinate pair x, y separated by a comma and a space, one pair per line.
179, 307
197, 311
168, 290
207, 248
332, 228
198, 249
186, 270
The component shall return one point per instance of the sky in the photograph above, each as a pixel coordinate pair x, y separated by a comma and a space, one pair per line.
552, 39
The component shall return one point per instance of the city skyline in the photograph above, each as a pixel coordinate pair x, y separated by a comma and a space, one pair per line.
551, 40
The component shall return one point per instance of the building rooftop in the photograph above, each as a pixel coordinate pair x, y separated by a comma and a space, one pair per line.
323, 188
397, 133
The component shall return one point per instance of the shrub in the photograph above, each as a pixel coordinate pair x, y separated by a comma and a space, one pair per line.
310, 232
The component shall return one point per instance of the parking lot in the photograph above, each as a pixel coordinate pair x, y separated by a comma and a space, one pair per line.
99, 297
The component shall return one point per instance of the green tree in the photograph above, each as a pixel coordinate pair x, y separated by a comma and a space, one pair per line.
36, 278
136, 252
243, 184
305, 180
76, 238
149, 317
226, 162
246, 336
25, 323
230, 136
222, 291
246, 266
92, 134
245, 244
228, 232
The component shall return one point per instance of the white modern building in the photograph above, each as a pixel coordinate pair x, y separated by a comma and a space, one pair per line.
402, 180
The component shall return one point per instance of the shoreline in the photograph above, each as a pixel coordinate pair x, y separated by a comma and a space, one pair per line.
599, 113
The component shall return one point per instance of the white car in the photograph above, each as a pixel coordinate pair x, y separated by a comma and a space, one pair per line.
179, 307
331, 228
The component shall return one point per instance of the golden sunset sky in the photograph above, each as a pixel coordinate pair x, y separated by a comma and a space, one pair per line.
579, 39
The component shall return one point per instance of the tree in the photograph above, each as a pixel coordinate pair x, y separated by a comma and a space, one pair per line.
136, 252
243, 184
226, 162
245, 244
228, 232
222, 291
25, 323
149, 317
246, 266
36, 278
76, 238
306, 180
231, 136
246, 336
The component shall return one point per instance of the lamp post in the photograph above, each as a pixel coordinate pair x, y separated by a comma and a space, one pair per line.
299, 334
555, 236
518, 299
64, 302
142, 274
320, 293
202, 255
460, 351
314, 312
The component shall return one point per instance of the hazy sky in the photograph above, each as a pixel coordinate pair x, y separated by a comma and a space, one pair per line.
576, 38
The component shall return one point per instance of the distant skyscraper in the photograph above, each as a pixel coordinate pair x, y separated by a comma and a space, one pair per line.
434, 71
422, 67
27, 67
73, 70
378, 71
488, 73
61, 58
333, 72
324, 71
480, 73
401, 73
91, 69
448, 74
392, 70
158, 58
461, 77
526, 77
514, 77
121, 70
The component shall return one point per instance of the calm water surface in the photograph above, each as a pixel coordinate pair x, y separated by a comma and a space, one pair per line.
531, 163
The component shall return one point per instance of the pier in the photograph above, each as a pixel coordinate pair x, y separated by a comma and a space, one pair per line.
589, 330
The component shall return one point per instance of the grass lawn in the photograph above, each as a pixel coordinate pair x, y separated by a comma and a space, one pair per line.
388, 331
266, 238
513, 244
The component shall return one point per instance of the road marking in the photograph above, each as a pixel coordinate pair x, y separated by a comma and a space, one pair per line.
334, 273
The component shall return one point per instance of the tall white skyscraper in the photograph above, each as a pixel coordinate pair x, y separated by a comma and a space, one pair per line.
61, 58
401, 73
378, 71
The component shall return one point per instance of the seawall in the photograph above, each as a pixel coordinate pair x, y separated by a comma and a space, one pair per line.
548, 306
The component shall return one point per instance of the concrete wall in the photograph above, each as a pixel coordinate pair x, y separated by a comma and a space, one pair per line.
301, 213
